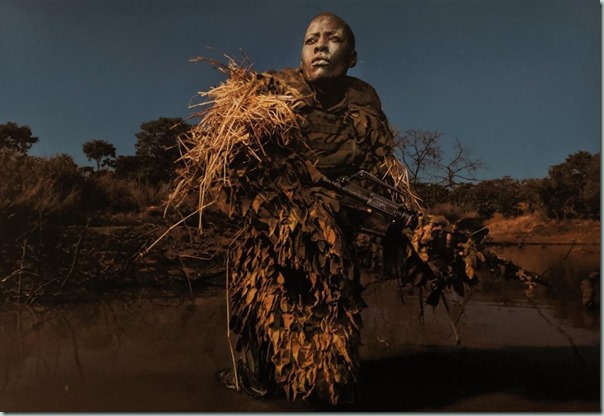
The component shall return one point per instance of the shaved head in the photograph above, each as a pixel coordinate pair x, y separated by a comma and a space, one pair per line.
329, 48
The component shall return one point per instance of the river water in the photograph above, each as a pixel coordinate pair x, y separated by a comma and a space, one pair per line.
159, 352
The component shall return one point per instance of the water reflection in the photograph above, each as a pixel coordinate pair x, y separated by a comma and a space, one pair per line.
151, 352
90, 356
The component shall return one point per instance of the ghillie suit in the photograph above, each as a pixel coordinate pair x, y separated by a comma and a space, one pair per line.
294, 289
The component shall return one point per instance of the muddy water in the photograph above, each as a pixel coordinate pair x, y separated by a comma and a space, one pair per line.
155, 352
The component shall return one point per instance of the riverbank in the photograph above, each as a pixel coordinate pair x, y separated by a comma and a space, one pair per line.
533, 229
54, 262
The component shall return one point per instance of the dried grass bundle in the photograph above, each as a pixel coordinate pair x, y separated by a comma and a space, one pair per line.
399, 175
238, 115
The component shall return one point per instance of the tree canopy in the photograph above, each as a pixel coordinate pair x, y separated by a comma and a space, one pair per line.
157, 147
15, 137
100, 151
572, 188
423, 154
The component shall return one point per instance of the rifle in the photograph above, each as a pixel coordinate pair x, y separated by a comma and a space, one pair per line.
406, 218
397, 212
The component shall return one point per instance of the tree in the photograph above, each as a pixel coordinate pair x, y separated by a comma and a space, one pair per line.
100, 151
572, 188
18, 138
127, 166
531, 194
460, 167
157, 147
502, 195
422, 153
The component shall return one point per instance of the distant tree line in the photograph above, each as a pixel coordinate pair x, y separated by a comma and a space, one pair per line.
56, 188
156, 151
128, 184
570, 190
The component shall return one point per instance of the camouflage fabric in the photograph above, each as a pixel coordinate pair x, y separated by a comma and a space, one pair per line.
293, 268
295, 293
353, 134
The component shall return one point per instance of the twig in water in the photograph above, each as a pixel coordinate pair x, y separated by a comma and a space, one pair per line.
463, 306
228, 309
75, 255
572, 246
184, 270
451, 322
228, 313
558, 328
21, 267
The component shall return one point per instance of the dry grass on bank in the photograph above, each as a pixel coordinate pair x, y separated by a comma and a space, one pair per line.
533, 228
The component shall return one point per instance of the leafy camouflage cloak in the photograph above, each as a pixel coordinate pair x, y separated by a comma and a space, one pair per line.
295, 294
294, 289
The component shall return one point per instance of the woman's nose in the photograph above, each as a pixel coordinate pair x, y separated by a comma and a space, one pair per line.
320, 46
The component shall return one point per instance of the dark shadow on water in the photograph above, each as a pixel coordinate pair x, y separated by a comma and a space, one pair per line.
437, 378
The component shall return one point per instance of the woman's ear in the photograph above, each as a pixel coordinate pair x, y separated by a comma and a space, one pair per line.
353, 59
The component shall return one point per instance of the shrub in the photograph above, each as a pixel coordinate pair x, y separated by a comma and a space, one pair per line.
128, 195
39, 186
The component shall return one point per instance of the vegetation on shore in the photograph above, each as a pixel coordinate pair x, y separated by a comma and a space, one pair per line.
69, 230
536, 229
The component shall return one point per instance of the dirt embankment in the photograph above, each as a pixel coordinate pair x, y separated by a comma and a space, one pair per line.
532, 229
64, 262
74, 260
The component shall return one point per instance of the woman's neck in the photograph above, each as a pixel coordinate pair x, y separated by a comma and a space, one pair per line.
329, 91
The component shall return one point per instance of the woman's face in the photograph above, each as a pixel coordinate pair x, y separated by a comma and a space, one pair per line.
327, 51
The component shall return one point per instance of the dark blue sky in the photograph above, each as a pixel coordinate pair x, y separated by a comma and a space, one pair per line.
518, 82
